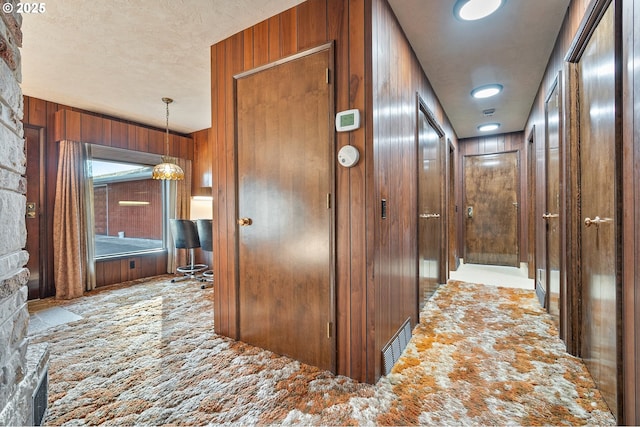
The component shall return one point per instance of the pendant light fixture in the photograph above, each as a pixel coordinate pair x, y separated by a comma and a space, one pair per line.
168, 169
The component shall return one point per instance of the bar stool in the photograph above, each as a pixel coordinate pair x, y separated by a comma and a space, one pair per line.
206, 243
185, 236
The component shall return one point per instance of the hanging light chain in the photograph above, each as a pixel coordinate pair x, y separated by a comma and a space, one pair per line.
167, 101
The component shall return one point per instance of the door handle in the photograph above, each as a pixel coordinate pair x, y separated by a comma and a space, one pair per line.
430, 215
595, 221
243, 222
548, 216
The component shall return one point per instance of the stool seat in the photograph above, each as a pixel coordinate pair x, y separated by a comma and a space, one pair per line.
185, 236
205, 232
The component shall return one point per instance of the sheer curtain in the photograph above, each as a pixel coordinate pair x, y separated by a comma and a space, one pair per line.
73, 271
179, 207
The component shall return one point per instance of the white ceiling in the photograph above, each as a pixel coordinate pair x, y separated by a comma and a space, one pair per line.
510, 47
120, 57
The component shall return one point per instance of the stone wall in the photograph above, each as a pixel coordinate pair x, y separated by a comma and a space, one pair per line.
21, 368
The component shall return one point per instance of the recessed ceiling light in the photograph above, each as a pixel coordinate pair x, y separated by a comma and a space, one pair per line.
486, 91
471, 10
487, 127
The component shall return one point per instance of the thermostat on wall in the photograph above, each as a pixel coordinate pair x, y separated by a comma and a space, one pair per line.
347, 120
348, 156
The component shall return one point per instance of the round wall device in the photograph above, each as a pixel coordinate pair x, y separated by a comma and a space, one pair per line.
348, 156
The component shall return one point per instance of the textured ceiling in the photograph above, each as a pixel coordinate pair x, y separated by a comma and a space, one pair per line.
121, 57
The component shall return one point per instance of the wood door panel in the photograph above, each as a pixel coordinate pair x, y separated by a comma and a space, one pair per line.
34, 195
491, 190
430, 209
597, 130
284, 175
552, 214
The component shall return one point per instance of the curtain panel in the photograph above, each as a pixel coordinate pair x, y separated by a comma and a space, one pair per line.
72, 274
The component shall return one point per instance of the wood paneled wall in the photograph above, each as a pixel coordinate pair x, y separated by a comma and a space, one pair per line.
629, 13
88, 127
201, 169
59, 121
491, 144
118, 270
396, 81
376, 261
535, 129
308, 25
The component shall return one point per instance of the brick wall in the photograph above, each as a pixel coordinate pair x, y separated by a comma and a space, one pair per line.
135, 221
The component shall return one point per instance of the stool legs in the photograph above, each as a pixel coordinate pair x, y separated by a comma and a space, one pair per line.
189, 271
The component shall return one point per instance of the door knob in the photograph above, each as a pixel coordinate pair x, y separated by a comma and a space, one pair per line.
596, 221
549, 216
243, 222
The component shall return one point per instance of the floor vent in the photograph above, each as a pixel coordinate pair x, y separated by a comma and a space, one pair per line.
40, 400
393, 349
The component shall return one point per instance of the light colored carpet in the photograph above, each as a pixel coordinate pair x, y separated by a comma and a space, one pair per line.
147, 354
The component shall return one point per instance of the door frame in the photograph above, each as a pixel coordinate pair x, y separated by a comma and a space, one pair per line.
562, 318
44, 288
531, 205
421, 107
452, 209
333, 328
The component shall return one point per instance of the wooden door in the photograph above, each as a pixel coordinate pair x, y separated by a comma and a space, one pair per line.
285, 187
34, 206
491, 209
430, 208
552, 204
531, 206
597, 133
452, 220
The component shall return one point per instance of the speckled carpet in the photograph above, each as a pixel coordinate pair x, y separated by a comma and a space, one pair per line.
145, 353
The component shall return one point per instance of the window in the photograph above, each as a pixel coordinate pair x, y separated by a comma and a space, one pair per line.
128, 208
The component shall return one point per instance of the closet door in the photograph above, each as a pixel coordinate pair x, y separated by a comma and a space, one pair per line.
491, 183
431, 211
597, 133
285, 186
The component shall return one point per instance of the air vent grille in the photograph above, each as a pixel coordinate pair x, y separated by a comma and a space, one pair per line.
40, 400
392, 351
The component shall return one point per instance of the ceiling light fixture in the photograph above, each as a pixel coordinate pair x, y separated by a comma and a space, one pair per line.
488, 127
168, 169
486, 91
471, 10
